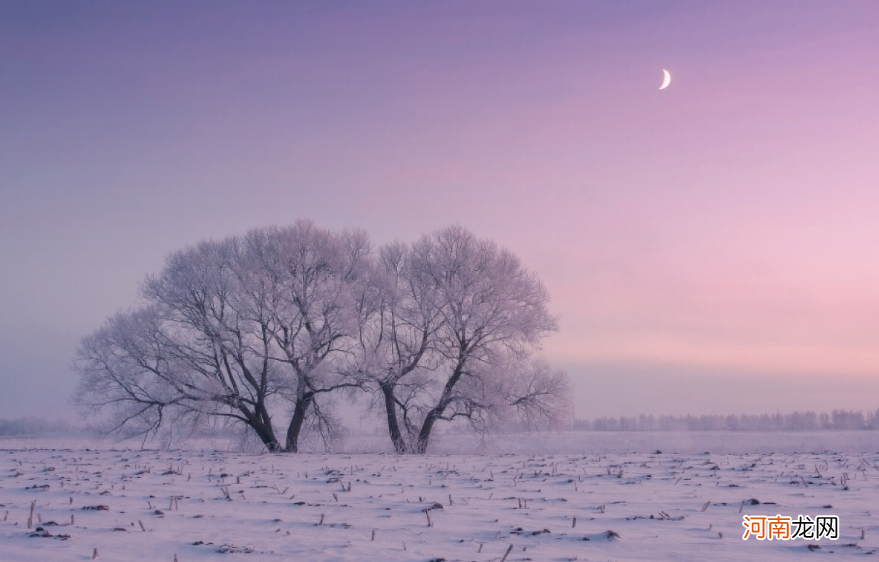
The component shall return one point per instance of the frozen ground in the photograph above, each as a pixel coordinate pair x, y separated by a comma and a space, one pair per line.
630, 501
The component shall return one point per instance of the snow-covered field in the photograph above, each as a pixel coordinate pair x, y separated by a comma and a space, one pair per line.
575, 496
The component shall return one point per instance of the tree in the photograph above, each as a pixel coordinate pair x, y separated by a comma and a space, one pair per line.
320, 301
235, 329
287, 318
400, 344
459, 320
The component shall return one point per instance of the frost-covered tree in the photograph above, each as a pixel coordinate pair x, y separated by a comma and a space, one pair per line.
237, 329
320, 300
399, 345
282, 319
460, 319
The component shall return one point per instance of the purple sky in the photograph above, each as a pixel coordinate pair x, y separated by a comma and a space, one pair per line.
712, 247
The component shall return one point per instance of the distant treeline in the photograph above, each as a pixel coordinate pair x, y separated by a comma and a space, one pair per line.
797, 421
35, 426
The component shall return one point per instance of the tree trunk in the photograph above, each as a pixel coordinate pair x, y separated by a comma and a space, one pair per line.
266, 432
393, 424
261, 424
426, 427
437, 411
303, 403
267, 436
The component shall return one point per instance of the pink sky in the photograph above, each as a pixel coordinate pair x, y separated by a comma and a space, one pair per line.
722, 230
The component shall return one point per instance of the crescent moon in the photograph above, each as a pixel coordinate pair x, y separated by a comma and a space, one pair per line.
666, 80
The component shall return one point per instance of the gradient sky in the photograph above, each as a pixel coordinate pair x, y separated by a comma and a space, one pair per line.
709, 248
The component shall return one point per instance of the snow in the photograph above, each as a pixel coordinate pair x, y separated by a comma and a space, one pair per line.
683, 503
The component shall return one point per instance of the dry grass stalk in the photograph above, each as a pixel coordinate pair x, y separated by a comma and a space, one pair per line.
509, 548
704, 507
142, 528
574, 523
30, 519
